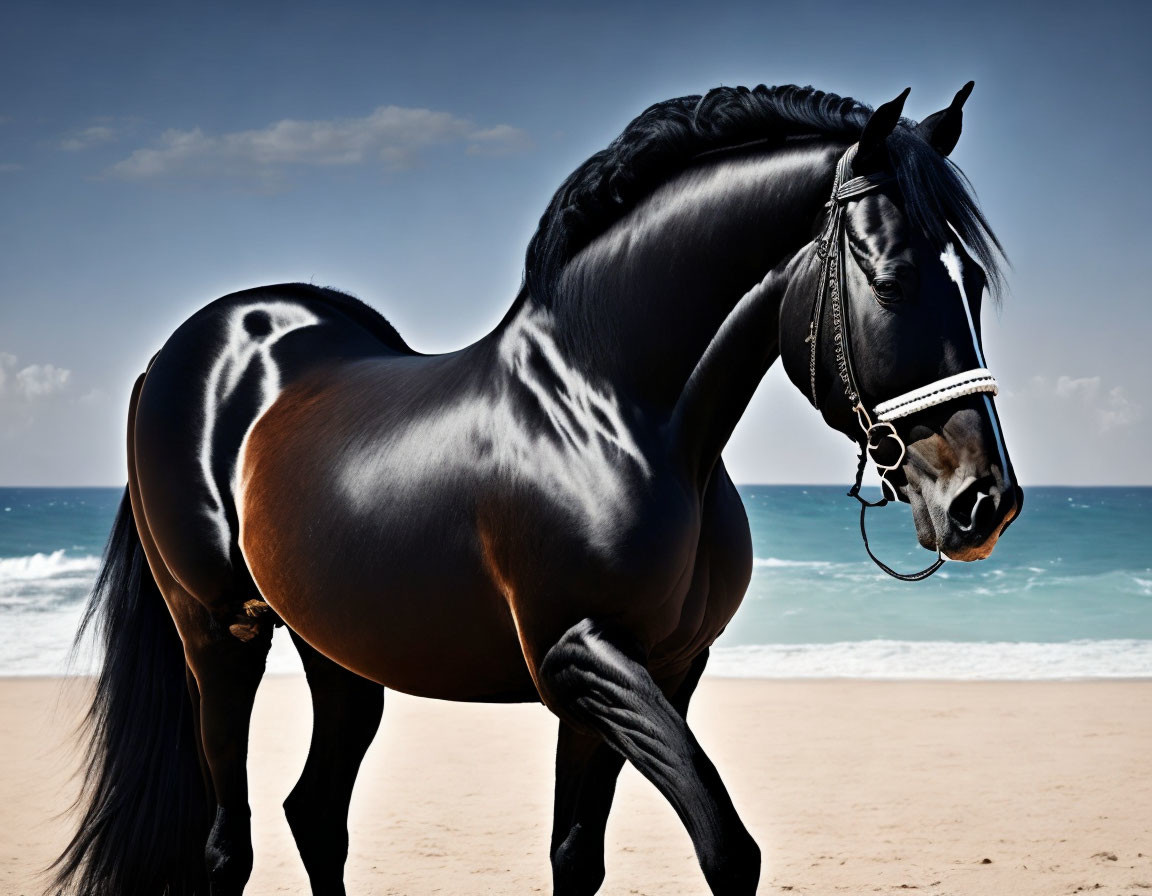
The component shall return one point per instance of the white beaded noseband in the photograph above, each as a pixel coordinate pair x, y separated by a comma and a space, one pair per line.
970, 382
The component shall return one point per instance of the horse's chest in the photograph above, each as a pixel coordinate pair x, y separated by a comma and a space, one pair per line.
720, 572
673, 573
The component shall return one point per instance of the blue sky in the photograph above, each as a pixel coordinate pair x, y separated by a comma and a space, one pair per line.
156, 156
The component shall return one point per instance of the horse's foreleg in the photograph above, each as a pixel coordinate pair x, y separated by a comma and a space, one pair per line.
597, 682
346, 712
586, 772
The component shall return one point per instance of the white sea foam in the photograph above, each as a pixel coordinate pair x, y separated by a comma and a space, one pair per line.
42, 595
39, 646
44, 566
947, 660
777, 563
38, 643
43, 583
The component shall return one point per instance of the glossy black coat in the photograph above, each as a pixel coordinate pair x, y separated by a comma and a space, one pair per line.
544, 514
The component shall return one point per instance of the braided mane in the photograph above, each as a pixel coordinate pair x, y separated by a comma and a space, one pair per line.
668, 136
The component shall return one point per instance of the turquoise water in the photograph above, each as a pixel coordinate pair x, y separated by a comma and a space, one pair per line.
1067, 592
1077, 564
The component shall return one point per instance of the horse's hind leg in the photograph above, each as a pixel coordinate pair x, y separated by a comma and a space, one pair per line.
225, 652
598, 682
227, 669
229, 673
346, 712
194, 696
586, 772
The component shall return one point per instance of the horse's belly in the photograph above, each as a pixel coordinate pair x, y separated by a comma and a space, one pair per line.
442, 638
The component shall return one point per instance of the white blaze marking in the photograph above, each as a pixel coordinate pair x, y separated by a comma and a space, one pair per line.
236, 355
955, 269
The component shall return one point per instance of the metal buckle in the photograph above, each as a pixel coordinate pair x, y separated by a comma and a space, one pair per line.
877, 433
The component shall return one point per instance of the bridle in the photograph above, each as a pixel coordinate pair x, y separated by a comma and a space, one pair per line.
876, 426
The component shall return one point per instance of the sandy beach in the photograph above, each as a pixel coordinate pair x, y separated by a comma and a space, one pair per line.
849, 787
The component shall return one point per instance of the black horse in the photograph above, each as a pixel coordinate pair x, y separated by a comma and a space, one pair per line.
543, 515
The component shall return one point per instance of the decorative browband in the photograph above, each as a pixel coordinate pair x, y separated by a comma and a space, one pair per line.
968, 383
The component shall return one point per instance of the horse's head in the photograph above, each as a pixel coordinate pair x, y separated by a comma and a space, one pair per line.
894, 283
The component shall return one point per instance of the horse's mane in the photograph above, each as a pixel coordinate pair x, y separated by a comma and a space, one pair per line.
668, 136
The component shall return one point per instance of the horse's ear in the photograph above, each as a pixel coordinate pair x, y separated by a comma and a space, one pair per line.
942, 129
871, 153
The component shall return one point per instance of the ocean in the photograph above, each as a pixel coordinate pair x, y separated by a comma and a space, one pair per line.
1066, 594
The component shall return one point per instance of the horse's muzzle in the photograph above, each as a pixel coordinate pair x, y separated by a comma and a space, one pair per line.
978, 513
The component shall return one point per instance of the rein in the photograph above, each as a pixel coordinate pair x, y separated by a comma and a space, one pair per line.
877, 426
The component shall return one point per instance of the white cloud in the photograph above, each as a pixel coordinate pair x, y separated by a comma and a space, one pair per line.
1085, 388
10, 167
33, 382
498, 141
1111, 407
393, 135
1119, 409
86, 137
41, 380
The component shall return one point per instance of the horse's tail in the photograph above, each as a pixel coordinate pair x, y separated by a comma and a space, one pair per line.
143, 803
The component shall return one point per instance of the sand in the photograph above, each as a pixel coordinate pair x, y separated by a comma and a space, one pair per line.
848, 786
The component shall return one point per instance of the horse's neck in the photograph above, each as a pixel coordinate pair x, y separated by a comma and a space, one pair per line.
676, 307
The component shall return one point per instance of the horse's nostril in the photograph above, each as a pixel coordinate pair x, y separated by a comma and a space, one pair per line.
973, 508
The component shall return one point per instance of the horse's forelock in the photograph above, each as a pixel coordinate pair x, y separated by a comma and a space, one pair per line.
939, 199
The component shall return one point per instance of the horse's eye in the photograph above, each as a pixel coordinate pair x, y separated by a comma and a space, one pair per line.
888, 291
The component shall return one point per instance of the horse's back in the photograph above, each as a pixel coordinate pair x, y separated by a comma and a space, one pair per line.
206, 388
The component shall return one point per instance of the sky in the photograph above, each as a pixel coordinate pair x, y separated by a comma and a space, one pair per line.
156, 156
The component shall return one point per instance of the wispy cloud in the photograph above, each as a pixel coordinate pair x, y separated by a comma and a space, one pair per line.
41, 380
1084, 388
1111, 406
393, 136
33, 382
10, 167
89, 137
498, 141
